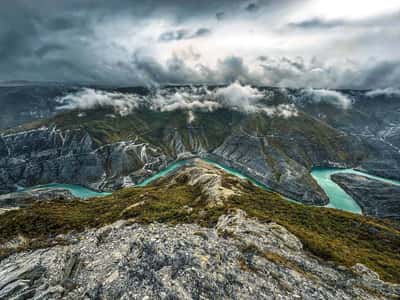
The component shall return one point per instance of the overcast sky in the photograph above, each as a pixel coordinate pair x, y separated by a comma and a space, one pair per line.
291, 43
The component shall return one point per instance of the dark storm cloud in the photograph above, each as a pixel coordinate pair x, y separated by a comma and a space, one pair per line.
316, 23
220, 15
346, 74
32, 30
48, 49
112, 42
202, 32
386, 20
387, 71
175, 35
252, 7
62, 23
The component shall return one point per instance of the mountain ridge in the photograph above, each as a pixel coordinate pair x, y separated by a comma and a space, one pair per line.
162, 233
165, 142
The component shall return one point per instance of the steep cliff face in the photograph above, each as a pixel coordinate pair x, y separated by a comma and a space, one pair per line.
376, 198
372, 120
107, 153
254, 156
47, 155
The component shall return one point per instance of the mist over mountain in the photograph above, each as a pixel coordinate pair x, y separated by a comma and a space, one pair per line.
164, 149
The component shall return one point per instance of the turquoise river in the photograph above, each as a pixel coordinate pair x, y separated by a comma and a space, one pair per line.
338, 198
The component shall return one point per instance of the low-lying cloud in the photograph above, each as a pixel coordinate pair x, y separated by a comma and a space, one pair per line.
388, 92
90, 98
325, 96
282, 110
235, 96
182, 100
240, 97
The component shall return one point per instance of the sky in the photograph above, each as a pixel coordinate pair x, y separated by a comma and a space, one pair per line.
284, 43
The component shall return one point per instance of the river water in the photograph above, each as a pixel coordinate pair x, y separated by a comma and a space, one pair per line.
338, 198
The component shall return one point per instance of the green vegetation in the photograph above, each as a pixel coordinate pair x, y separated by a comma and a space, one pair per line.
210, 129
330, 234
155, 127
302, 135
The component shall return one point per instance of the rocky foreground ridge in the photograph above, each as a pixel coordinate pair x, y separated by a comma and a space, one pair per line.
240, 258
196, 234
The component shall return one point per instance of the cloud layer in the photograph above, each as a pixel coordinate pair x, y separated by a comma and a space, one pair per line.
237, 97
388, 92
90, 98
286, 43
325, 96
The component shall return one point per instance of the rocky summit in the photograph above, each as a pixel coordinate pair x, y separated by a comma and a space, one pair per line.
198, 233
240, 258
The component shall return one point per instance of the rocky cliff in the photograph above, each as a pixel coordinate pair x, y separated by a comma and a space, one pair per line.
376, 198
197, 234
48, 155
106, 153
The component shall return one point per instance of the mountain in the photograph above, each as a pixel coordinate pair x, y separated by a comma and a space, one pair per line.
377, 198
197, 233
104, 151
25, 103
110, 138
372, 118
98, 146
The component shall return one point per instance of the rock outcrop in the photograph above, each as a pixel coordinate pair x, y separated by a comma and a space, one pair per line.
104, 153
208, 179
27, 198
238, 259
376, 198
48, 155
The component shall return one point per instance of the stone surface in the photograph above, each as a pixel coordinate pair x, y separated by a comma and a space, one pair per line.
50, 155
276, 151
26, 198
238, 259
376, 198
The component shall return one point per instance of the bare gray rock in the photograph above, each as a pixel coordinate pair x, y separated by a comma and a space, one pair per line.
27, 198
376, 198
239, 259
48, 155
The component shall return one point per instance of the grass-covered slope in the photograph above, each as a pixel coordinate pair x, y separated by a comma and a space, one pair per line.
333, 235
302, 138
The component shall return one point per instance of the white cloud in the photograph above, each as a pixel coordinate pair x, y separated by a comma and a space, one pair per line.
235, 96
90, 98
389, 92
191, 116
353, 9
282, 110
241, 97
185, 100
326, 96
